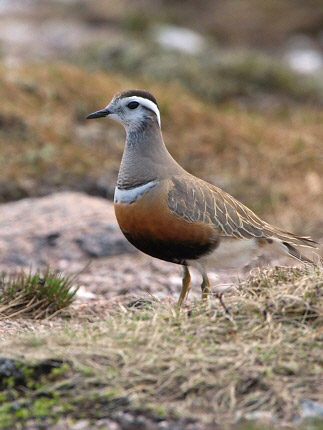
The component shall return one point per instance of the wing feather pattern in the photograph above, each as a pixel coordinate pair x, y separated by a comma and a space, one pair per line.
198, 201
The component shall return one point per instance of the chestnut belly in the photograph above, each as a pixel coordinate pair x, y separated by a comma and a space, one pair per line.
153, 229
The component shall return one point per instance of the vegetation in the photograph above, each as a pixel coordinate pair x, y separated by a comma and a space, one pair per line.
193, 363
35, 295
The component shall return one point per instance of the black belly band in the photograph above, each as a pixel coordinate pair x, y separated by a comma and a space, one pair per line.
169, 250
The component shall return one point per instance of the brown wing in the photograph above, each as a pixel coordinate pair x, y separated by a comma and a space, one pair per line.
196, 200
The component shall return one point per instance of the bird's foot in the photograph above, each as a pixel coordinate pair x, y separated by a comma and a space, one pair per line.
220, 297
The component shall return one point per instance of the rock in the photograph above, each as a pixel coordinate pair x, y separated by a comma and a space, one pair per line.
179, 39
260, 416
107, 424
311, 409
103, 241
9, 369
81, 425
65, 226
16, 371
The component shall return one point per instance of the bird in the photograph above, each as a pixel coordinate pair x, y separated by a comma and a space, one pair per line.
169, 214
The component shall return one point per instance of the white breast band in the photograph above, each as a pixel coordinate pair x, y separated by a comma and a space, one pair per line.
133, 194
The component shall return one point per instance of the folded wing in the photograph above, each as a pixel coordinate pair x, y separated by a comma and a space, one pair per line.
198, 201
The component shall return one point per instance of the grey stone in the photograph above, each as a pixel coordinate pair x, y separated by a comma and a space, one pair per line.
104, 241
66, 226
8, 368
311, 409
80, 425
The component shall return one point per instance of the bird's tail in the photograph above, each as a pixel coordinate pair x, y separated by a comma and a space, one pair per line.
295, 253
290, 238
288, 243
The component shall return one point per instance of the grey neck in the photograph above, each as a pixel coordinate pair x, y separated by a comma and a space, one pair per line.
145, 157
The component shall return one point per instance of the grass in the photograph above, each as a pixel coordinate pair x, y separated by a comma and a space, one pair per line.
35, 295
195, 362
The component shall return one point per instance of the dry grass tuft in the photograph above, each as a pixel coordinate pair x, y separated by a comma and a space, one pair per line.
287, 294
36, 295
199, 363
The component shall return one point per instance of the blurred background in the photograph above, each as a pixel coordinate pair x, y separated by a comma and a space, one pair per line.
239, 83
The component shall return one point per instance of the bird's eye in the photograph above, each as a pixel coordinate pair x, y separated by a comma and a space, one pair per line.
133, 105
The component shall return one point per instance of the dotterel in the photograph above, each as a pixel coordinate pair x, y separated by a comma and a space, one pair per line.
172, 215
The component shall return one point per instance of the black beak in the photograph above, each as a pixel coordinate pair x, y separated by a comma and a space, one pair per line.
99, 114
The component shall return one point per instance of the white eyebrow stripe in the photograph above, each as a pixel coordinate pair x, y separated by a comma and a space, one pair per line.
147, 103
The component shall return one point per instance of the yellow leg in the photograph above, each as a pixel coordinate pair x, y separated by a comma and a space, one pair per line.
206, 289
205, 286
185, 286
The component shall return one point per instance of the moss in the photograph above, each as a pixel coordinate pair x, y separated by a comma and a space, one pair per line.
159, 411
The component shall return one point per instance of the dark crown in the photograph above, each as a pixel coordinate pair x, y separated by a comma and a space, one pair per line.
139, 93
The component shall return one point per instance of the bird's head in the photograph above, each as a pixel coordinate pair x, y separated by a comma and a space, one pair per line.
132, 108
